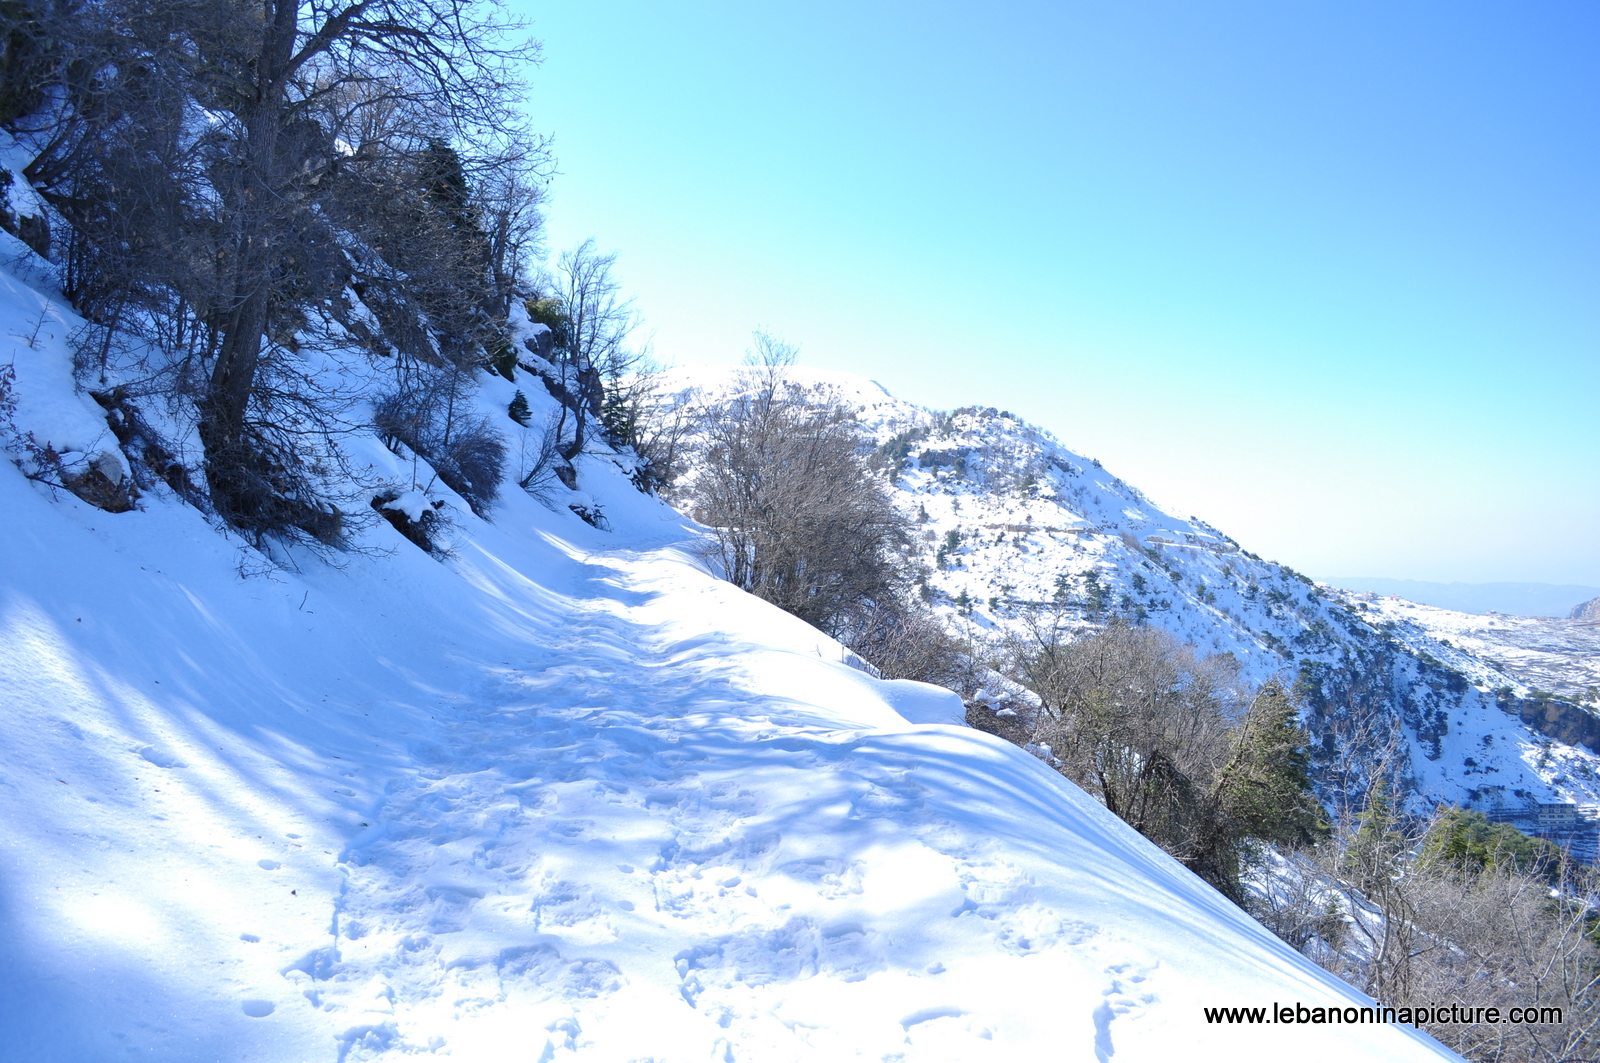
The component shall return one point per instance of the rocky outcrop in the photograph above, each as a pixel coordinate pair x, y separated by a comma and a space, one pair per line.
1589, 610
1561, 720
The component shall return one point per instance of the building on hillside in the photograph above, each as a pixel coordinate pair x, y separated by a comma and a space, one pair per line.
1575, 828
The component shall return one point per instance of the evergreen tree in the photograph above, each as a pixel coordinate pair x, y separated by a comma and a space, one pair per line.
1096, 592
444, 184
1262, 792
1265, 789
1466, 840
519, 410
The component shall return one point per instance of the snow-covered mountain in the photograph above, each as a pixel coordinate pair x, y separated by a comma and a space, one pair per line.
1012, 521
1559, 656
562, 795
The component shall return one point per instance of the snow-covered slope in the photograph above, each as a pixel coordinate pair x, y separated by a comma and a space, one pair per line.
1528, 653
1012, 522
561, 796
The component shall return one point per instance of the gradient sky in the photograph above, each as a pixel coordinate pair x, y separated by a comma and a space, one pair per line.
1325, 275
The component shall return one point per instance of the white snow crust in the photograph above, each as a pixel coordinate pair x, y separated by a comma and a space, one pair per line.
560, 799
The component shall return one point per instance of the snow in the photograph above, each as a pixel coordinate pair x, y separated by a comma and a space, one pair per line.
413, 503
35, 345
560, 799
1526, 653
562, 795
922, 702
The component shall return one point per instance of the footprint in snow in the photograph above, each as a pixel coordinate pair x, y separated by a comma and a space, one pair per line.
800, 949
1125, 996
161, 758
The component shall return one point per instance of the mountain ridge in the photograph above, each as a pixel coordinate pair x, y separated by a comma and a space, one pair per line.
1010, 520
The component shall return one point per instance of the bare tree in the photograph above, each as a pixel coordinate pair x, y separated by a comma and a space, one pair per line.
204, 159
1136, 716
512, 199
1386, 906
661, 433
597, 319
595, 371
768, 351
799, 518
1168, 740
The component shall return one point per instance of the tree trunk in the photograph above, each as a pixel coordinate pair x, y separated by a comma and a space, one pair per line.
256, 215
233, 377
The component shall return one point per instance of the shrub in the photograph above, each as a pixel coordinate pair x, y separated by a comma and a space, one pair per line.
798, 517
430, 418
905, 640
1167, 741
420, 522
1478, 916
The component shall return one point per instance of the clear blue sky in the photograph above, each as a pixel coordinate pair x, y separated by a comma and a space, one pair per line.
1324, 274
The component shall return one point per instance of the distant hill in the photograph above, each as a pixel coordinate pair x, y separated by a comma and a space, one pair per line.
1012, 526
1516, 599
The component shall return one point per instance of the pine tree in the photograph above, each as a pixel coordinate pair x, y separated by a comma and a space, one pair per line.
444, 184
1465, 839
519, 410
1262, 793
1265, 789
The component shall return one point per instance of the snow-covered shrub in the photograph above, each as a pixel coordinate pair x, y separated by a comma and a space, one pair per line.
430, 415
99, 481
98, 477
588, 511
415, 516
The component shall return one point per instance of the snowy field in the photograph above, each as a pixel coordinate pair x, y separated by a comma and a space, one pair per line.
562, 796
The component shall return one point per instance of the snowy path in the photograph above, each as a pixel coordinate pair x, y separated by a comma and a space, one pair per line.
628, 823
477, 886
561, 798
